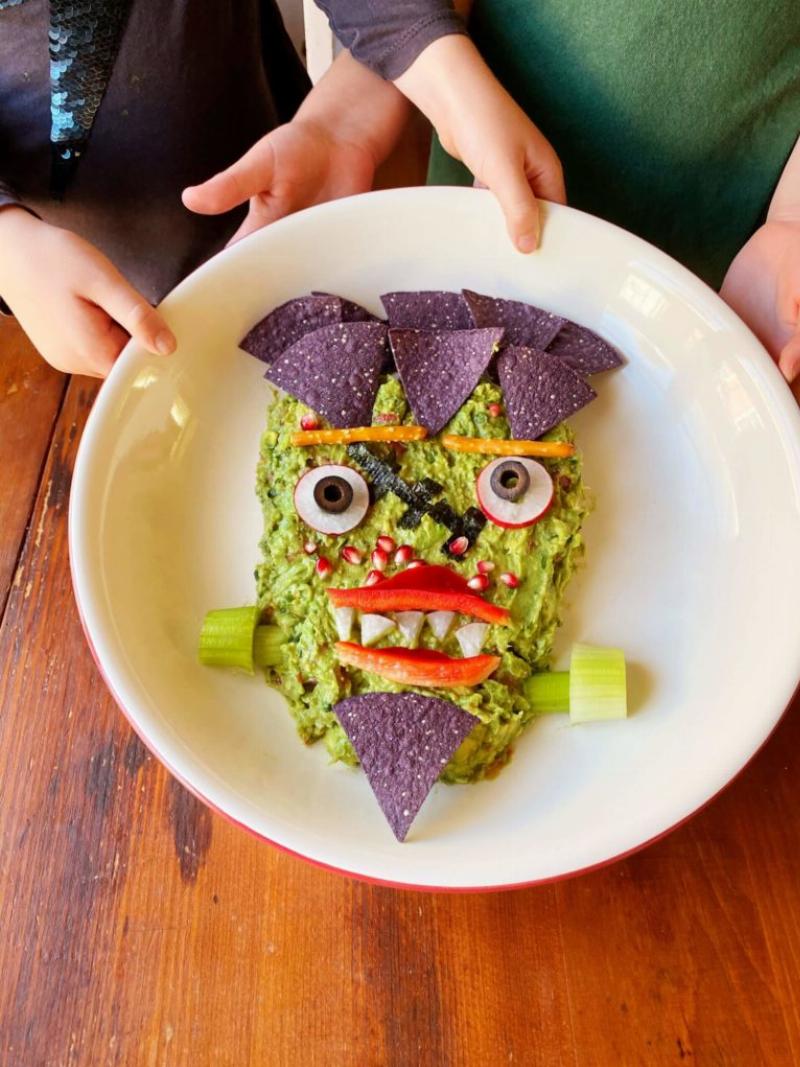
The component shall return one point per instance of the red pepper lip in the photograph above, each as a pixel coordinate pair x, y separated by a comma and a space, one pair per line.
417, 666
426, 588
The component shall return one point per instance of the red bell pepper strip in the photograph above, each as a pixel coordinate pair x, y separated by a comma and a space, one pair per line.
429, 576
428, 588
417, 666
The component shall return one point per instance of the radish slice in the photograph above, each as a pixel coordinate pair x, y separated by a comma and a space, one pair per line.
374, 627
440, 622
409, 623
528, 506
471, 638
343, 620
321, 510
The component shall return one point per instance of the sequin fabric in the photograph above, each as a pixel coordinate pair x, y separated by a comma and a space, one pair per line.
84, 40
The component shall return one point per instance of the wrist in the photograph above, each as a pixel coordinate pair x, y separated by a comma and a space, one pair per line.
352, 105
444, 79
15, 219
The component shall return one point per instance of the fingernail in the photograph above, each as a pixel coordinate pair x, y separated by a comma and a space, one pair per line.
165, 343
527, 242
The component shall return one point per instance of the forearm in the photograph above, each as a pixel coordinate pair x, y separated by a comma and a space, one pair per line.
450, 78
358, 105
386, 35
786, 198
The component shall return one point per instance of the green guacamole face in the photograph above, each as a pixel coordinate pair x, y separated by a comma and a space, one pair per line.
292, 595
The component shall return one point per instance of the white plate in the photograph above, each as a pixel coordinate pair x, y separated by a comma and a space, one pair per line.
693, 450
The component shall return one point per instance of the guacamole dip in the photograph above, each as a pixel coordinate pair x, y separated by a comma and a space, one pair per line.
292, 591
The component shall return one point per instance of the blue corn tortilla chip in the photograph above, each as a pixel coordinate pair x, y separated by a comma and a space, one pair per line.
288, 323
350, 310
539, 391
429, 309
583, 350
335, 371
440, 368
404, 741
525, 324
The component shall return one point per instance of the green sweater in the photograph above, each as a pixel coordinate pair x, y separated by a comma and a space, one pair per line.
672, 118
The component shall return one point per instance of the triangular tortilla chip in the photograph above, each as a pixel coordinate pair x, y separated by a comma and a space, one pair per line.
440, 368
335, 371
404, 741
539, 391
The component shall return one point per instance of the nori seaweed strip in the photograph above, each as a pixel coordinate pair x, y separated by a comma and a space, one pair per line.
418, 496
474, 522
432, 488
382, 476
410, 519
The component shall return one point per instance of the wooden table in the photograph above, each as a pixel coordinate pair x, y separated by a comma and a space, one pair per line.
137, 928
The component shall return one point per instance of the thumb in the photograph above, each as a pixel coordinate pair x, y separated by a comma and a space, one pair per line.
512, 189
248, 176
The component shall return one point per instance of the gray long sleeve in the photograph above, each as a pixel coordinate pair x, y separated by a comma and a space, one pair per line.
388, 35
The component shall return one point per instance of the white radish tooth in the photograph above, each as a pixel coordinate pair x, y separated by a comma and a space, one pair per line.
409, 623
440, 622
343, 620
374, 627
471, 638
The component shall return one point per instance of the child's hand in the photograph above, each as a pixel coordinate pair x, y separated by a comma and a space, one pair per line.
297, 165
479, 123
763, 287
71, 301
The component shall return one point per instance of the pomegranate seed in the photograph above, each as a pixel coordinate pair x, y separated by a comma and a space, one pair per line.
403, 555
323, 567
350, 554
415, 563
509, 579
386, 543
373, 578
310, 547
494, 410
485, 566
379, 559
479, 582
309, 421
459, 545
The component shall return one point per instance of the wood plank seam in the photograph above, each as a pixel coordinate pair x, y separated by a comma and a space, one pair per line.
5, 594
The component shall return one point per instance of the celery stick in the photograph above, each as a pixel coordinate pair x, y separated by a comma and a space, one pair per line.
597, 684
226, 639
267, 646
548, 692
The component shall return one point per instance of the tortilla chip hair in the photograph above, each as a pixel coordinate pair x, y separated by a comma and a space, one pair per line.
427, 309
403, 741
335, 371
539, 391
583, 350
288, 323
524, 324
350, 310
439, 369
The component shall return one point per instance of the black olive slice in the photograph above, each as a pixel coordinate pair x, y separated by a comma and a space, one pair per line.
333, 494
510, 479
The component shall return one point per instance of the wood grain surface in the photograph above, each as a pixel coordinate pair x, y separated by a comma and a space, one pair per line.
138, 928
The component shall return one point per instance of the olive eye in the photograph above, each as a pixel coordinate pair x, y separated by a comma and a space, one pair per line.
510, 479
333, 494
331, 499
514, 492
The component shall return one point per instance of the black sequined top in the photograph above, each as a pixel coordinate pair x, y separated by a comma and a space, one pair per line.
108, 108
